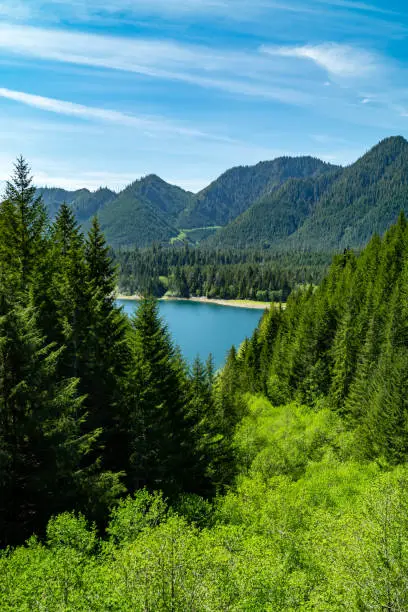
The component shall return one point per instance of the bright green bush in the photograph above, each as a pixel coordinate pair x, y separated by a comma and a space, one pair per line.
307, 527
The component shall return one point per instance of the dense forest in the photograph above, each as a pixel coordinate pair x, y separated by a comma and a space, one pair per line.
150, 210
277, 483
221, 273
298, 204
337, 209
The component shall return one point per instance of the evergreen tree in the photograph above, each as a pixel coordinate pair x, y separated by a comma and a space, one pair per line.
160, 445
69, 309
105, 354
41, 445
23, 224
205, 429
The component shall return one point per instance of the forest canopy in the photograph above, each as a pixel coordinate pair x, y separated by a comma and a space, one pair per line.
129, 481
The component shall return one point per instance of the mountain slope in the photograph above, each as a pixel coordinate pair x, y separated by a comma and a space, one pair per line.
169, 199
84, 203
235, 190
131, 220
275, 216
366, 199
340, 209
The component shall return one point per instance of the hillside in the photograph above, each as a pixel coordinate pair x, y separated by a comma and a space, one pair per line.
365, 199
235, 190
340, 209
275, 216
151, 210
169, 199
133, 219
286, 204
83, 202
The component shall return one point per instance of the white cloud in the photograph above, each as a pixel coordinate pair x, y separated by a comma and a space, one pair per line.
357, 6
245, 73
101, 114
134, 9
338, 60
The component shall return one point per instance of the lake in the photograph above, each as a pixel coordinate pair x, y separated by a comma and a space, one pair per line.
200, 329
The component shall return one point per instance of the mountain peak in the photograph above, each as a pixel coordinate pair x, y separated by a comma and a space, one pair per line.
153, 178
392, 145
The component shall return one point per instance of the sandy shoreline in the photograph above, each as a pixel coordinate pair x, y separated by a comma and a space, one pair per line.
205, 300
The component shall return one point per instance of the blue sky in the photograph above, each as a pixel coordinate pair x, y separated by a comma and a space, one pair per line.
100, 93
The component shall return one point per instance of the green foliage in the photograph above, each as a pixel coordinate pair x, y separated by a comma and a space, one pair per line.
336, 209
273, 441
133, 515
226, 274
284, 473
318, 532
237, 189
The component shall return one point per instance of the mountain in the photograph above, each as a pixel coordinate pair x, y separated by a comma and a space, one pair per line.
289, 203
151, 210
275, 216
235, 190
365, 199
84, 203
341, 208
169, 199
142, 214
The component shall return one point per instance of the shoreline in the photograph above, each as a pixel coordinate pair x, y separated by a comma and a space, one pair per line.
205, 300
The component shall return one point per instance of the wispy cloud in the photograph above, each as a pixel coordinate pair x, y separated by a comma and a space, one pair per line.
337, 59
239, 72
81, 111
358, 6
233, 9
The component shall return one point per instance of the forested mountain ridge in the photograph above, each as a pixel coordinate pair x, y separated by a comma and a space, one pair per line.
83, 202
340, 209
366, 198
286, 204
151, 210
274, 217
144, 212
235, 190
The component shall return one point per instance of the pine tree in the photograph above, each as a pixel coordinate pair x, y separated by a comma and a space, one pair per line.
105, 354
41, 444
69, 315
23, 224
213, 468
161, 448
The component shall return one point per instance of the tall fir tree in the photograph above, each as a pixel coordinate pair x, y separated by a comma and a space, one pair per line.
41, 444
105, 356
161, 446
23, 225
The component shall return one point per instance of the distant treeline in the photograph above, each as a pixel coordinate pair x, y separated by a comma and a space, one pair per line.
228, 274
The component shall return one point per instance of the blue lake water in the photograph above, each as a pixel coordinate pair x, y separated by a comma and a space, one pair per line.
200, 329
